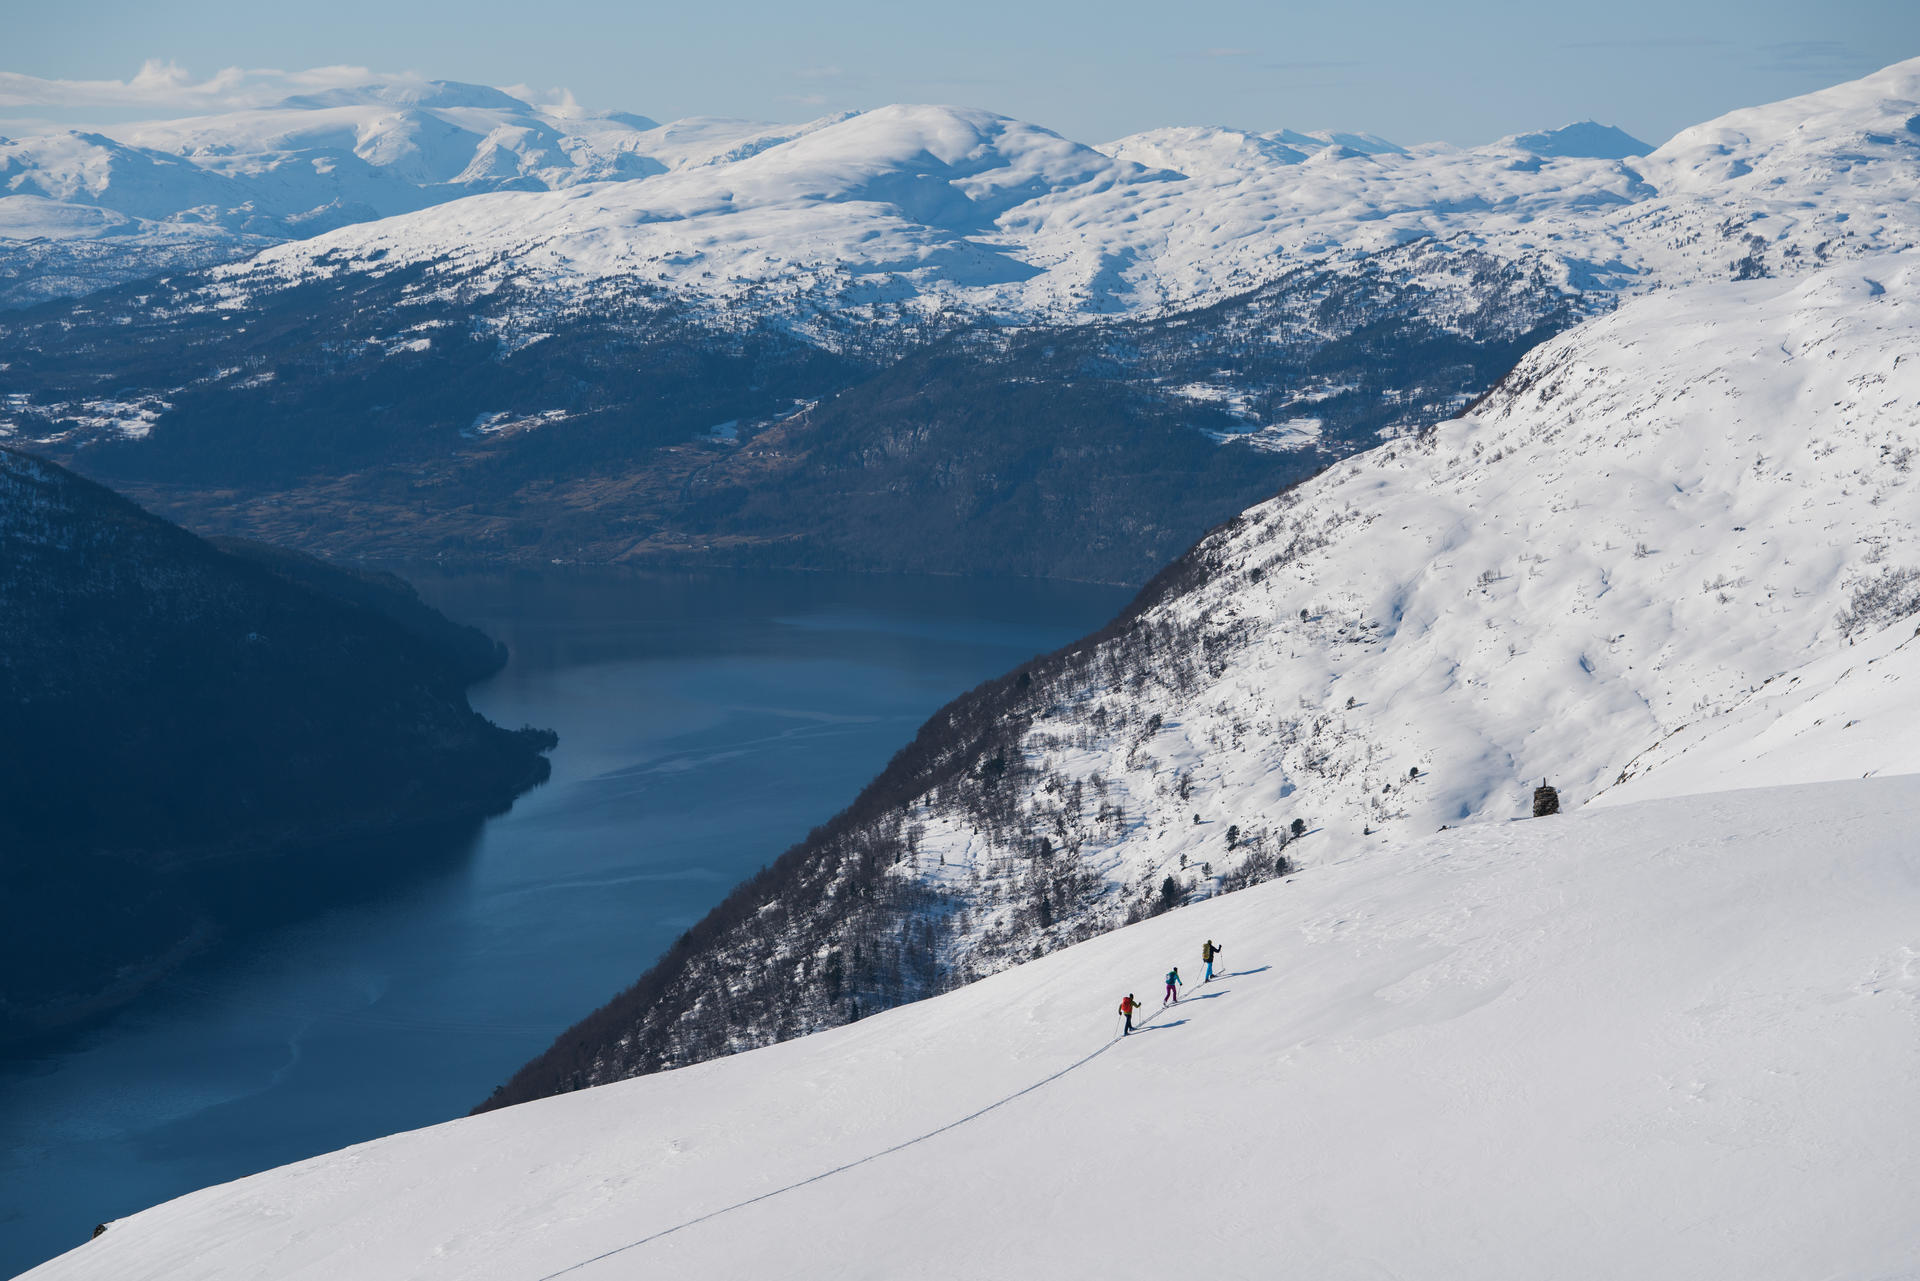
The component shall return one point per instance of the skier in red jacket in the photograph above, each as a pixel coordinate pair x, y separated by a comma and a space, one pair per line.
1127, 1006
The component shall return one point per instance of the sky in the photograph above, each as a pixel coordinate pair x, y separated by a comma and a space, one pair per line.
1409, 70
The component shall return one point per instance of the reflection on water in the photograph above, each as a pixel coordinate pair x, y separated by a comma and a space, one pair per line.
705, 722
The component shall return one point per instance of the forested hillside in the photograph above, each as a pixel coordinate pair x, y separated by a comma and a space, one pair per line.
185, 726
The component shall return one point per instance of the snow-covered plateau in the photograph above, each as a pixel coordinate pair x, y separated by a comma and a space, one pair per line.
1672, 1039
83, 208
949, 207
963, 208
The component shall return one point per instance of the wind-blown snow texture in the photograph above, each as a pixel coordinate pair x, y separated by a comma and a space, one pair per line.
1654, 513
1675, 1039
1852, 714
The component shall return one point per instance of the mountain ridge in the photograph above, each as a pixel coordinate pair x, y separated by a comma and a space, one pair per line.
1420, 189
1409, 640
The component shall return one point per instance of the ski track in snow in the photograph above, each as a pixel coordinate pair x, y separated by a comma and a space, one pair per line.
1149, 1023
1677, 1038
1674, 1033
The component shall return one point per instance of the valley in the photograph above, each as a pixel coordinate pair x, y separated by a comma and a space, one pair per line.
1477, 586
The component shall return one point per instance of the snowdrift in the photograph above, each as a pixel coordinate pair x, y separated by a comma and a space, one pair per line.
1670, 1039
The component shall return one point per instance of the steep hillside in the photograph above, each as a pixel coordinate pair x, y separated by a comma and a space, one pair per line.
1674, 1039
1853, 714
186, 727
358, 423
1654, 513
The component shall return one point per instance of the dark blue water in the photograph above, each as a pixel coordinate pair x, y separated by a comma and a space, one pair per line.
705, 724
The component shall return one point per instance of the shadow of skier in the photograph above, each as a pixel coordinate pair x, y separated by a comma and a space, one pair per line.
1145, 1028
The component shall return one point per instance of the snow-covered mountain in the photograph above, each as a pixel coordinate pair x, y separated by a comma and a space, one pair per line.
1650, 517
957, 207
84, 208
962, 208
1673, 552
758, 276
1674, 1039
1587, 138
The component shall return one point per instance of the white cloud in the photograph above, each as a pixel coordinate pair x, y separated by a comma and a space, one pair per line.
555, 102
167, 86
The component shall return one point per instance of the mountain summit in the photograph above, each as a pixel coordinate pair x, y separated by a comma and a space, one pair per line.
1586, 139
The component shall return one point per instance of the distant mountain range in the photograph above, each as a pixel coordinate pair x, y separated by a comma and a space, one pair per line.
938, 205
714, 362
82, 209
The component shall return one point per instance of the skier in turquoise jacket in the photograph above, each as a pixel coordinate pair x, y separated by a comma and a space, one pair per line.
1173, 983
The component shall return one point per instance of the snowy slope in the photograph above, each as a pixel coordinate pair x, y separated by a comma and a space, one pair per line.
1853, 713
1675, 1039
1652, 515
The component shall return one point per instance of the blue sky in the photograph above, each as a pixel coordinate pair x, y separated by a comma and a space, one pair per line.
1464, 73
